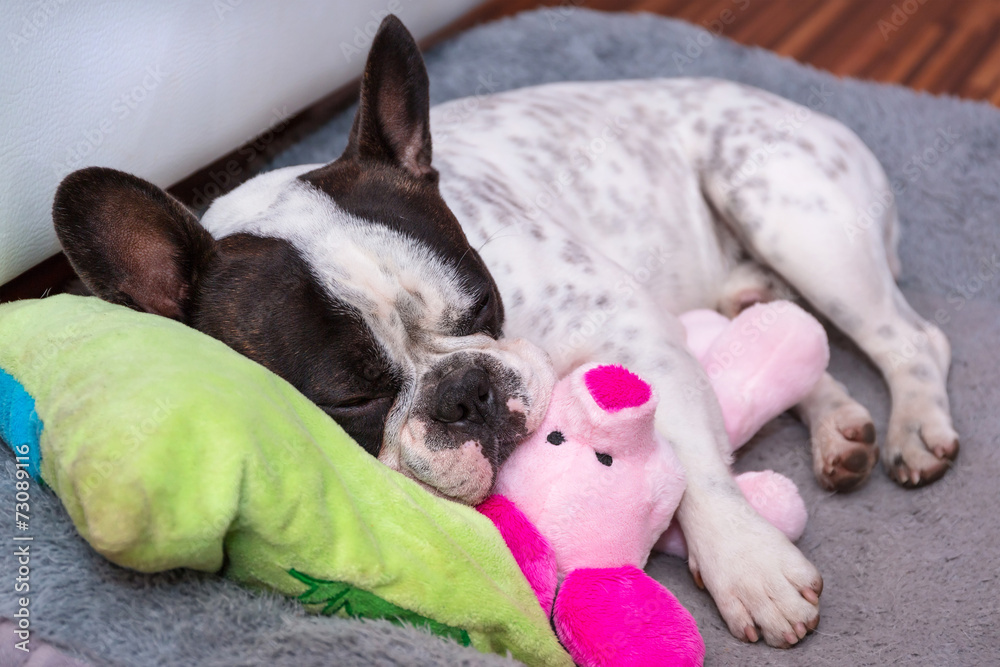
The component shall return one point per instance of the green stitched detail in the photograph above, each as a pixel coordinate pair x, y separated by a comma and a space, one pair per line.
357, 603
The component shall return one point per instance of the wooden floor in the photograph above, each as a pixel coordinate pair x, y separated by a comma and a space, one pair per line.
941, 46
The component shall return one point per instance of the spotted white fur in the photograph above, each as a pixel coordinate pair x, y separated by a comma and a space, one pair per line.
602, 211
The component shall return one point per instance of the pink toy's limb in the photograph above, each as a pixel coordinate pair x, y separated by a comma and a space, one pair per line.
760, 364
774, 496
531, 551
702, 328
777, 499
672, 541
622, 617
765, 362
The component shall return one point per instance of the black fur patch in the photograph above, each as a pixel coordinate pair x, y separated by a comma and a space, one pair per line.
260, 298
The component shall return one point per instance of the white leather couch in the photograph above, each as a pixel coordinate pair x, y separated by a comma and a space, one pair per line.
162, 88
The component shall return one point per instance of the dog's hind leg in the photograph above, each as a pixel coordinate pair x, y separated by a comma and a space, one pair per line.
826, 236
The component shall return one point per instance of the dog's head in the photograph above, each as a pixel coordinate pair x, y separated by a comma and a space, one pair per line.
353, 281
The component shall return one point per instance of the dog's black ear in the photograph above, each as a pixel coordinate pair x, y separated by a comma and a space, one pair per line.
130, 241
393, 119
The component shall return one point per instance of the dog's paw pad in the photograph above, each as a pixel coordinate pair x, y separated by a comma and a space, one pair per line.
919, 452
844, 448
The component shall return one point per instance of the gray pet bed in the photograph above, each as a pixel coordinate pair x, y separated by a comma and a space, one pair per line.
911, 576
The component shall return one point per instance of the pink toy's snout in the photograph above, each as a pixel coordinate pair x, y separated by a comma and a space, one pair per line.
615, 388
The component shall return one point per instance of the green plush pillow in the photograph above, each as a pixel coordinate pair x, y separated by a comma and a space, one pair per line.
169, 450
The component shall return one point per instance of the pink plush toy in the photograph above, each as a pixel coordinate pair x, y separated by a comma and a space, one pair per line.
583, 501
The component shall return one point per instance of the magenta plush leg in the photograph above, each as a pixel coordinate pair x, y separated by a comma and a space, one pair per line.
620, 617
531, 551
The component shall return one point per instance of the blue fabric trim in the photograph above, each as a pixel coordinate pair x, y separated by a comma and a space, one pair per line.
20, 425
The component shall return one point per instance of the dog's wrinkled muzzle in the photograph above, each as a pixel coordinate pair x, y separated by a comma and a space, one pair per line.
472, 408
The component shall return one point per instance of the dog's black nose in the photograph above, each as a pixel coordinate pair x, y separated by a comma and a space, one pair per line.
465, 395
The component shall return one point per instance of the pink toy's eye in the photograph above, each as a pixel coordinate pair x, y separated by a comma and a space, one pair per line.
615, 388
556, 438
605, 459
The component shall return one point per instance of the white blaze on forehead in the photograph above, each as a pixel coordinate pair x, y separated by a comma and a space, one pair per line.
362, 263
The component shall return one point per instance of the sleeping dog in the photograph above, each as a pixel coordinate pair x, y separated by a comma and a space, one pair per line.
598, 211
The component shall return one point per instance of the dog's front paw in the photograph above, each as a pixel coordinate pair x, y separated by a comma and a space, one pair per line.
761, 583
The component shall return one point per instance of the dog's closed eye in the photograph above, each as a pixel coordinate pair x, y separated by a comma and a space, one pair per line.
351, 405
363, 417
357, 402
485, 316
